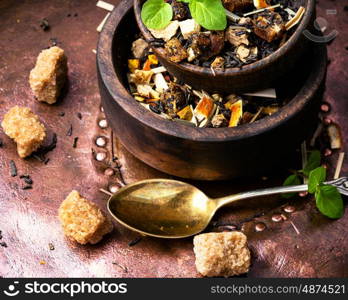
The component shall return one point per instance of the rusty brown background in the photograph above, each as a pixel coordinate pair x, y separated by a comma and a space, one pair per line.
28, 218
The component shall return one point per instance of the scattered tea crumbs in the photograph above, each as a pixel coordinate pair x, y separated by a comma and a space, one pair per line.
75, 142
13, 168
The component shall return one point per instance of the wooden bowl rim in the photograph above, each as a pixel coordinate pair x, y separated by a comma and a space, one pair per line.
126, 101
230, 72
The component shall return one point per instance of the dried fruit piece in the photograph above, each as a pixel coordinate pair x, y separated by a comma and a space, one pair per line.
186, 113
237, 5
237, 113
175, 51
189, 27
269, 26
204, 111
167, 33
139, 47
218, 63
133, 64
141, 77
260, 4
237, 36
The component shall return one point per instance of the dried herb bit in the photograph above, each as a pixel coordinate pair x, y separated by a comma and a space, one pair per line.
13, 168
75, 142
1, 143
70, 131
3, 244
44, 24
51, 246
79, 115
134, 242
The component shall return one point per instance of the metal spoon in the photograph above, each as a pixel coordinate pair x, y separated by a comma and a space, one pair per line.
172, 209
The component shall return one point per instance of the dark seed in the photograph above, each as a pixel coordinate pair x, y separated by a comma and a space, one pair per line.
134, 242
75, 142
13, 169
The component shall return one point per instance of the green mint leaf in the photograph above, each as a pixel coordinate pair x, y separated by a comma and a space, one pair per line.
313, 162
186, 1
316, 177
329, 201
291, 180
209, 13
156, 14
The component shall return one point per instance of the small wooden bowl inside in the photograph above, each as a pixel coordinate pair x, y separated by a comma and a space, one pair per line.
204, 153
259, 75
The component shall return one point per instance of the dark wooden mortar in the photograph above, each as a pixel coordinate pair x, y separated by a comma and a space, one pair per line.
258, 75
206, 153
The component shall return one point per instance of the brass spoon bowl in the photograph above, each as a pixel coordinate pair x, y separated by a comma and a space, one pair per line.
173, 209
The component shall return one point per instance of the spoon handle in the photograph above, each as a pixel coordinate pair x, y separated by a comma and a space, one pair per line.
341, 184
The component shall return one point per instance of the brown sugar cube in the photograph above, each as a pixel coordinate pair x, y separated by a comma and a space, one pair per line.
49, 74
22, 125
221, 254
82, 220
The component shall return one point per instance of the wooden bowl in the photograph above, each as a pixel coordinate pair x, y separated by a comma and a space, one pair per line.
261, 74
204, 153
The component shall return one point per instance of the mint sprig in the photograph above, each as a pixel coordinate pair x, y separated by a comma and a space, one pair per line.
157, 14
327, 197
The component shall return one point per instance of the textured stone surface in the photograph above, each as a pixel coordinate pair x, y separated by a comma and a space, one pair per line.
29, 219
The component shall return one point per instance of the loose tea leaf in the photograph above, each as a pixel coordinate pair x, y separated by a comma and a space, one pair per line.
329, 201
156, 14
